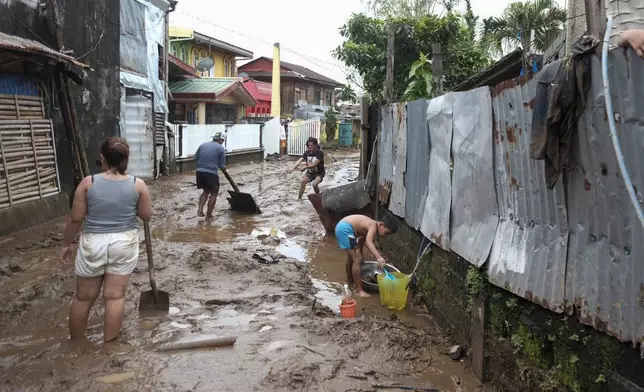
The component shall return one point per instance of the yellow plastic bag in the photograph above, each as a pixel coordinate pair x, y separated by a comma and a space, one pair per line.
393, 293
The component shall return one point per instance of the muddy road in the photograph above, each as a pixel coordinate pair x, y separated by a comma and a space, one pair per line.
285, 315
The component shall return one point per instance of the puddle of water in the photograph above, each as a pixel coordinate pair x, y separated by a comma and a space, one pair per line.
231, 318
329, 294
291, 249
203, 231
328, 273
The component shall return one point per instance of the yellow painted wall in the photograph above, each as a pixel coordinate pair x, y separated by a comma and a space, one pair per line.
203, 52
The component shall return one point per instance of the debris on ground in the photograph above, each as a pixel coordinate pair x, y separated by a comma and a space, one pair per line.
456, 352
290, 336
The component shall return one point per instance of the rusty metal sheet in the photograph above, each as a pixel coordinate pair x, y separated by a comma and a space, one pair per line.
418, 154
398, 193
605, 273
474, 208
386, 146
12, 42
528, 256
435, 221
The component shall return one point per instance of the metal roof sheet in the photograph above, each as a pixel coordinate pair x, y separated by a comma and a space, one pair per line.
12, 42
202, 86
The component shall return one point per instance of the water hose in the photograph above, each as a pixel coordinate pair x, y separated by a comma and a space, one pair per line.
613, 129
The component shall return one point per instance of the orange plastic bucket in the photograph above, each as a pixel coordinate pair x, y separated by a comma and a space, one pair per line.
348, 309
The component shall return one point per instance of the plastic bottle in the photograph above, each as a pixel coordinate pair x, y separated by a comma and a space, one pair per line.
346, 294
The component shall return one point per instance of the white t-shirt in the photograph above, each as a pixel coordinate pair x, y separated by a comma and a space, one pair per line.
282, 132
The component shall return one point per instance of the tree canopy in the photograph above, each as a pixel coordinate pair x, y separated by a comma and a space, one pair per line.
534, 24
365, 49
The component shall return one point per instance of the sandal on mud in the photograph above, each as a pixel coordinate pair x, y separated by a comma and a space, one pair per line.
264, 258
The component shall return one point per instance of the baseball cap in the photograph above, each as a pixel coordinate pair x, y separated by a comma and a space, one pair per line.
219, 136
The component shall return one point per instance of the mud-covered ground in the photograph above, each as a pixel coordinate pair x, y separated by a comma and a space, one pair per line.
289, 334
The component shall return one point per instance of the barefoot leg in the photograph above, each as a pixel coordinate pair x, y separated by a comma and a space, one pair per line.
355, 270
349, 264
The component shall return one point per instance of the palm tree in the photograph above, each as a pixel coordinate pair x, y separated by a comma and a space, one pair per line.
412, 9
533, 24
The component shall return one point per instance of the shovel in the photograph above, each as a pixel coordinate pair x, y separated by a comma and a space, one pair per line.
242, 202
153, 299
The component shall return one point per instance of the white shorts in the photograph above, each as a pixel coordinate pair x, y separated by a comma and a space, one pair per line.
111, 253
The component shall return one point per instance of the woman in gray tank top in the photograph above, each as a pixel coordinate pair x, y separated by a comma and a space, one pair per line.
108, 203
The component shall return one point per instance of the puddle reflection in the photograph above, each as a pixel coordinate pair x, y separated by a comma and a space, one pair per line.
204, 231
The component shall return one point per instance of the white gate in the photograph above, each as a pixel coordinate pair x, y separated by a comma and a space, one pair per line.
271, 136
137, 129
298, 134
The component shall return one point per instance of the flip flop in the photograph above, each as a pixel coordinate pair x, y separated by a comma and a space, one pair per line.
264, 258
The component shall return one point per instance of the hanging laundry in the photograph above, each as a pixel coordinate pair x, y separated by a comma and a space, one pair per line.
559, 101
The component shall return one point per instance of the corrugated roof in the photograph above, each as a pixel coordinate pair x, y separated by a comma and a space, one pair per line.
261, 91
12, 42
297, 69
202, 86
309, 73
508, 67
216, 88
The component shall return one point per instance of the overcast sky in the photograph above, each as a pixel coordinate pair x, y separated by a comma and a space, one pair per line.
306, 30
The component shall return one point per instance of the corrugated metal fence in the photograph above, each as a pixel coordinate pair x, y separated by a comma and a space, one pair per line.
459, 169
298, 134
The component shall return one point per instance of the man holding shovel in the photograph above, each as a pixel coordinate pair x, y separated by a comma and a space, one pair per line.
210, 157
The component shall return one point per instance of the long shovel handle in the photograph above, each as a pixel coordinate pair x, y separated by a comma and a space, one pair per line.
148, 249
229, 179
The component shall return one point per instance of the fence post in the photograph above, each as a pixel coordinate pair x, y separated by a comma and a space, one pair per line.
437, 68
181, 140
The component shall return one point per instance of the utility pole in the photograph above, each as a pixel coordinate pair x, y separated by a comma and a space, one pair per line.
389, 98
389, 82
437, 68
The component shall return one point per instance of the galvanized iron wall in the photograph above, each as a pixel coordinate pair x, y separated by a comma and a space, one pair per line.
605, 273
435, 222
398, 191
474, 208
418, 148
580, 249
528, 256
386, 146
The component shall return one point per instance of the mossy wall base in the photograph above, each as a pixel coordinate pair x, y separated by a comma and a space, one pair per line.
528, 348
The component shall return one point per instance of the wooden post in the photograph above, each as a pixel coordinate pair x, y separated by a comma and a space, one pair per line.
33, 148
437, 68
364, 136
595, 18
72, 123
389, 98
6, 171
389, 82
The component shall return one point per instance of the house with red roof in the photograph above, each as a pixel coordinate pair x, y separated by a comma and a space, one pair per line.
299, 85
261, 91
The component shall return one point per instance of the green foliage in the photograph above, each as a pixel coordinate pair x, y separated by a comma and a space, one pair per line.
347, 94
402, 8
534, 24
330, 124
420, 80
476, 285
365, 49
